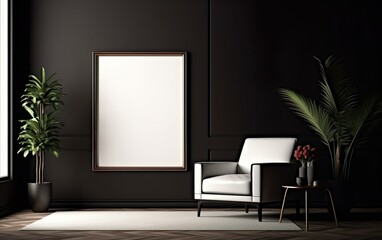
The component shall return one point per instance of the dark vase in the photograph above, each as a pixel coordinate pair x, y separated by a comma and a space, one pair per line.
310, 175
40, 195
302, 172
302, 175
343, 197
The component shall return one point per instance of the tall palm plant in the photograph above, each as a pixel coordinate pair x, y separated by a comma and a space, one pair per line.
39, 133
341, 119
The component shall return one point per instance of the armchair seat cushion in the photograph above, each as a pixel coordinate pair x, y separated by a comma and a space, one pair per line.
238, 184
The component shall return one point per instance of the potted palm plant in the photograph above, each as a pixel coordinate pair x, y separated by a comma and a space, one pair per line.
342, 119
39, 134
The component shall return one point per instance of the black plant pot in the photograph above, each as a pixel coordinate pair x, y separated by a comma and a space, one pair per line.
343, 197
40, 195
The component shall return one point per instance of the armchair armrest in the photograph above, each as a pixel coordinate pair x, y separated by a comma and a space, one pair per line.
203, 170
267, 179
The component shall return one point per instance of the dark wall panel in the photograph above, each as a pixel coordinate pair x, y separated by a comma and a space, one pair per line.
265, 45
260, 46
63, 34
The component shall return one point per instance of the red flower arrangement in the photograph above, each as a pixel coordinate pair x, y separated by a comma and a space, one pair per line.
305, 154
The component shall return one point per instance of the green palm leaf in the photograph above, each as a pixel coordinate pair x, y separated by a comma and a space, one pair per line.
344, 88
366, 119
337, 99
315, 115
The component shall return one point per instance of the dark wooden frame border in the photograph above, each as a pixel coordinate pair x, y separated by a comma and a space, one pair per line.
10, 94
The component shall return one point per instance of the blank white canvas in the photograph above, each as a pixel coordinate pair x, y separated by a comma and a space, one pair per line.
141, 111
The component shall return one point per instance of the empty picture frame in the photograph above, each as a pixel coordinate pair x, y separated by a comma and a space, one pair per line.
139, 111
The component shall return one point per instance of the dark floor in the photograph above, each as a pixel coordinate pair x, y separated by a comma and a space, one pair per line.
365, 223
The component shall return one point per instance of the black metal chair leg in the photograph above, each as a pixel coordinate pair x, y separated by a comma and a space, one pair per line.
199, 207
260, 212
246, 208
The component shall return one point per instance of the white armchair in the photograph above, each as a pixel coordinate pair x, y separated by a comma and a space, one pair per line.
264, 165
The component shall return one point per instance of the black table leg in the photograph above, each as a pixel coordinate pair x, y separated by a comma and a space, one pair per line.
282, 207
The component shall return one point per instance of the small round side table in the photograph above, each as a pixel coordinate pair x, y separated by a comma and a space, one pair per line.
306, 189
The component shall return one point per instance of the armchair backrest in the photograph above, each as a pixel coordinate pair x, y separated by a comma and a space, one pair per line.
265, 150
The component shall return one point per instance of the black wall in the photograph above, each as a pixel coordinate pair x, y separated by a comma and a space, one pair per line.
63, 34
240, 52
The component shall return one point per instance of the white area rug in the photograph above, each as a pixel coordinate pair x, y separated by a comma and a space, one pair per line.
159, 220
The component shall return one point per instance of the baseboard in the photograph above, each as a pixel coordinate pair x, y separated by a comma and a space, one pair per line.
6, 210
151, 204
367, 204
180, 204
122, 204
